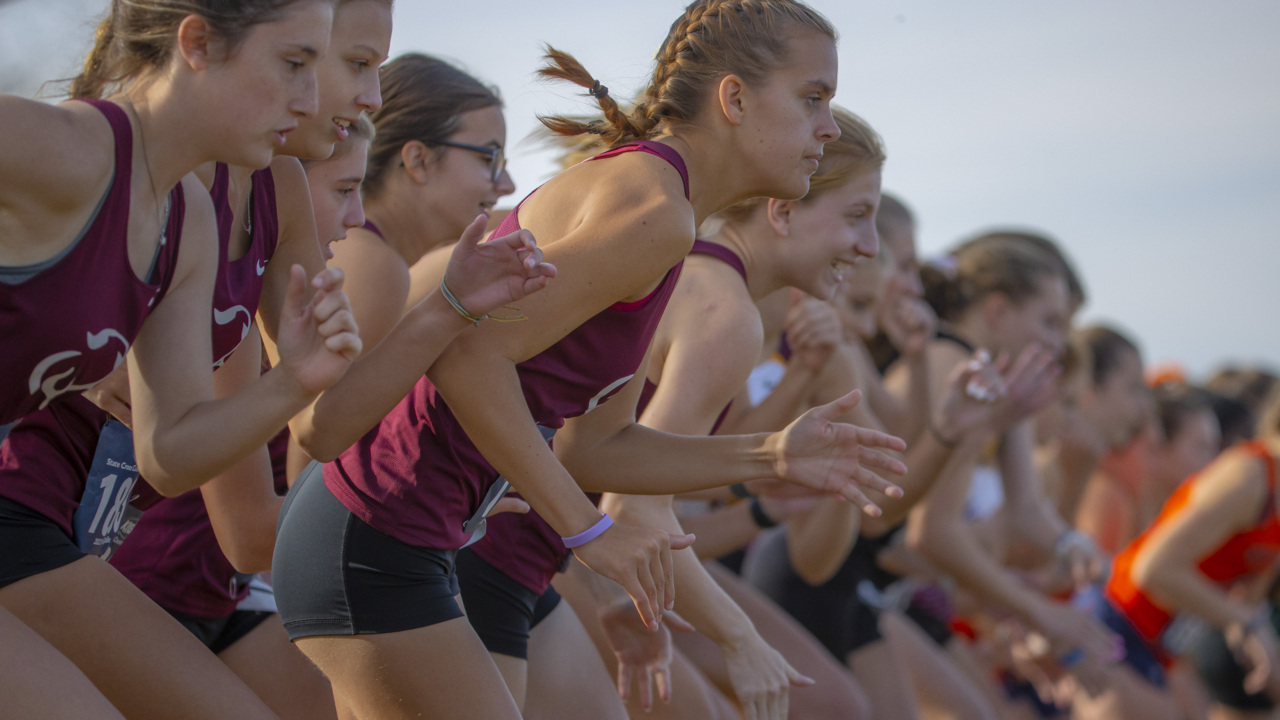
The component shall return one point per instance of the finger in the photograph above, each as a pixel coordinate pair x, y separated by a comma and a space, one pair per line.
329, 279
675, 622
347, 344
867, 437
660, 568
325, 303
880, 460
640, 598
680, 542
472, 236
340, 322
851, 493
662, 678
646, 689
624, 681
749, 709
799, 679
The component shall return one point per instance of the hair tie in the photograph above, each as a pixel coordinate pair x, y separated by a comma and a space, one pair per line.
598, 91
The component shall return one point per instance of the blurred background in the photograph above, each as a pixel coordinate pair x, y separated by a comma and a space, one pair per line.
1145, 135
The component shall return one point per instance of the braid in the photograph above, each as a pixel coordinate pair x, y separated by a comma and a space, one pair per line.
617, 127
712, 39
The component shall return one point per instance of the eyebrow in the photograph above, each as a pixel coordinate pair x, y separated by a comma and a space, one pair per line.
307, 50
368, 48
356, 180
822, 86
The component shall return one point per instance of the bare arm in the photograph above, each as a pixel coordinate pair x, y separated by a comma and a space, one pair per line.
241, 502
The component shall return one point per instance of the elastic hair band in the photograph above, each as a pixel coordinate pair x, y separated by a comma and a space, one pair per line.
740, 491
475, 319
598, 91
590, 534
759, 516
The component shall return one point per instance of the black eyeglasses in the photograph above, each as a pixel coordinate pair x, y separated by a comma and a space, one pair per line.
497, 158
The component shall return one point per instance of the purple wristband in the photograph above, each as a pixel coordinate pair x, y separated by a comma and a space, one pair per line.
590, 533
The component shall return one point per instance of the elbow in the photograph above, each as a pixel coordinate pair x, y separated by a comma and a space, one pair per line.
814, 572
250, 559
158, 475
316, 444
1149, 574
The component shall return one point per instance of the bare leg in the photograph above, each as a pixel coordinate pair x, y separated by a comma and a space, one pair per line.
36, 681
515, 673
939, 684
836, 694
567, 679
881, 672
280, 674
441, 672
138, 656
1130, 697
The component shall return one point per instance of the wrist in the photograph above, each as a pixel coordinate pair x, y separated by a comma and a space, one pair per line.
596, 530
434, 310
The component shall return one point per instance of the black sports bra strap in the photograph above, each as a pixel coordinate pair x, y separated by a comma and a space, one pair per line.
952, 337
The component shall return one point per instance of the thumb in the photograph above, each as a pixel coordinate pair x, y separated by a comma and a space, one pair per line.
680, 542
472, 235
797, 679
839, 406
295, 298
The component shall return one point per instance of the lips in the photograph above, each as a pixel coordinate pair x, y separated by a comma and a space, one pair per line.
341, 128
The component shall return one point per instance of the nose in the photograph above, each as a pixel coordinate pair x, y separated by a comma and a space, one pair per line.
828, 130
505, 185
370, 97
307, 102
354, 217
868, 243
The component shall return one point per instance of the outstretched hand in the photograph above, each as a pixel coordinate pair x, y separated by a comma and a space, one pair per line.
644, 657
817, 452
992, 397
638, 559
318, 338
484, 276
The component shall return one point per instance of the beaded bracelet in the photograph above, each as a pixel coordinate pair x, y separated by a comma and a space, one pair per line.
589, 534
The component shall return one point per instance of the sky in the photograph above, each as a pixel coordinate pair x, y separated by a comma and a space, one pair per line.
1144, 136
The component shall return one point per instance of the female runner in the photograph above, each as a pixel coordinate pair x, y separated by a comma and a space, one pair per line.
224, 83
1218, 533
730, 75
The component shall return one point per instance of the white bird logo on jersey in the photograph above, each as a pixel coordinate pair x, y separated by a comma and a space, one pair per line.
606, 393
228, 316
49, 385
262, 267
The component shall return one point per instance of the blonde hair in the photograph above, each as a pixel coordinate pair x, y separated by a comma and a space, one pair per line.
712, 39
859, 150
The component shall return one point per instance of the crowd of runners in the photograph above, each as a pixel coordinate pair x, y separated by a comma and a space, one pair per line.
296, 425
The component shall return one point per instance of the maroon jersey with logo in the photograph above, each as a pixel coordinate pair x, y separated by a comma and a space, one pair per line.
417, 476
524, 547
45, 458
70, 324
172, 554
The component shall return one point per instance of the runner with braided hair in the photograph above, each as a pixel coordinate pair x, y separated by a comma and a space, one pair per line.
751, 118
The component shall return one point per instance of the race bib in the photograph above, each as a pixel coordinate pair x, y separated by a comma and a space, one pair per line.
105, 517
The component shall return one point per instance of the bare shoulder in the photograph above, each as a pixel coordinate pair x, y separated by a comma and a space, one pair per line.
65, 157
711, 314
199, 227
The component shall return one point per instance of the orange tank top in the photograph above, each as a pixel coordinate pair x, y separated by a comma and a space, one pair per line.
1246, 553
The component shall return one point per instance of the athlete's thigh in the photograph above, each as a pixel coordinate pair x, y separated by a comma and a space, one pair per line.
279, 673
36, 681
566, 676
880, 671
937, 681
1129, 697
441, 671
835, 692
138, 656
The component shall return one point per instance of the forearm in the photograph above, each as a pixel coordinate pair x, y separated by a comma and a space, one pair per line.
787, 401
722, 530
926, 459
377, 381
1186, 590
243, 509
641, 461
819, 541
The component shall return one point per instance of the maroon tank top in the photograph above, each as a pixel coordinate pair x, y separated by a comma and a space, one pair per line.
417, 476
45, 459
172, 554
524, 547
68, 326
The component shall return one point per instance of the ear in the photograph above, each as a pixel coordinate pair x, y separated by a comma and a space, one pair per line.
194, 42
779, 214
416, 158
729, 93
995, 306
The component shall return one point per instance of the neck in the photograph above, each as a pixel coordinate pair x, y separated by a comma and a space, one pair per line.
165, 132
408, 231
716, 175
755, 246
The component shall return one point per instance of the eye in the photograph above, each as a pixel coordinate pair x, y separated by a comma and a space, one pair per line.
295, 64
359, 64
